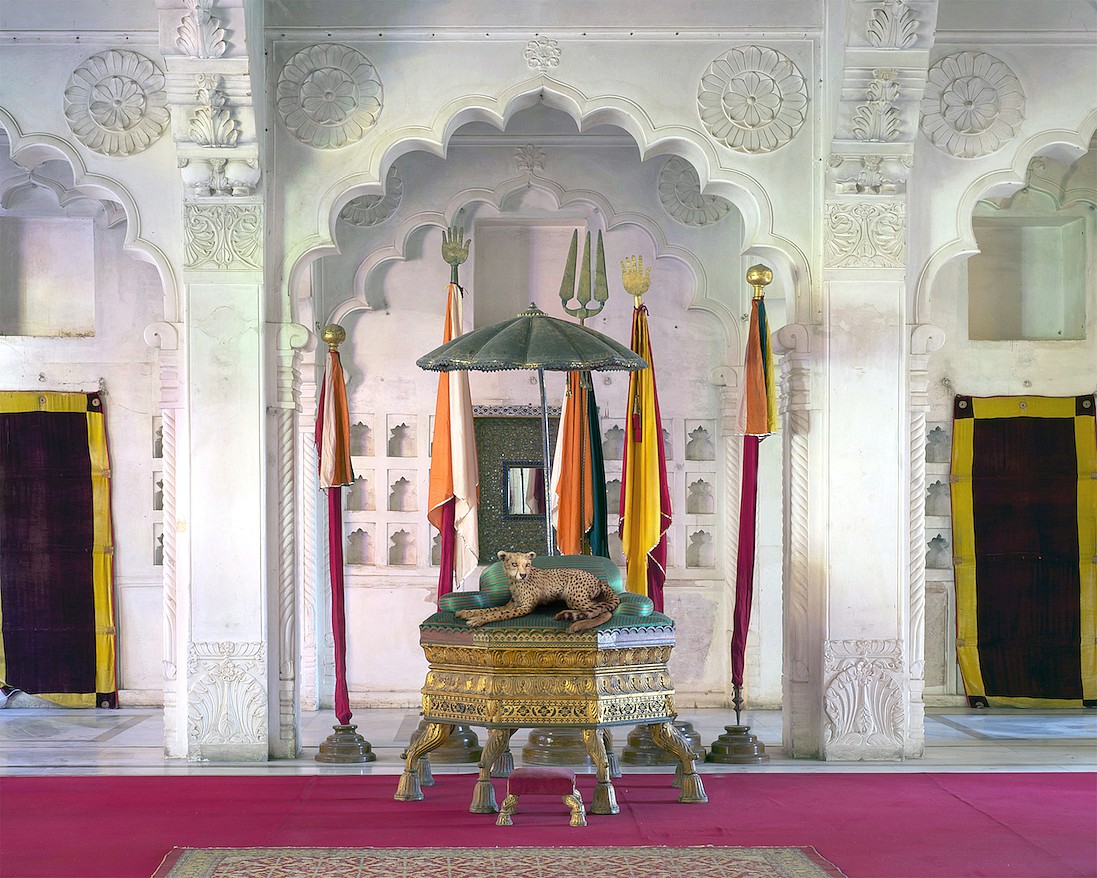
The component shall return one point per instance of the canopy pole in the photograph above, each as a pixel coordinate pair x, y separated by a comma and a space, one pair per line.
548, 463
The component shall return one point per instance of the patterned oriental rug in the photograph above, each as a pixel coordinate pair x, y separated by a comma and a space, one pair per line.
595, 862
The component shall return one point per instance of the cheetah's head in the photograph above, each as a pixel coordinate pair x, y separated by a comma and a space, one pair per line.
517, 564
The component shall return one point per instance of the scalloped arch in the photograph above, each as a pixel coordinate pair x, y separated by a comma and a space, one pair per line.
30, 150
744, 191
1005, 180
495, 198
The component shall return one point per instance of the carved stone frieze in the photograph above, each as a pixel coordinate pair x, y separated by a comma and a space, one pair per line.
329, 95
211, 124
115, 103
680, 194
542, 54
892, 25
752, 99
868, 174
223, 236
372, 210
864, 698
227, 699
862, 234
877, 119
973, 104
200, 34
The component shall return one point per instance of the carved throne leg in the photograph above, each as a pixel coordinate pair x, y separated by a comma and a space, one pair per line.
578, 812
510, 805
667, 736
434, 736
605, 799
483, 796
614, 764
504, 763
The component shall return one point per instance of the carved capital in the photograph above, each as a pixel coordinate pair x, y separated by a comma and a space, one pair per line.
868, 174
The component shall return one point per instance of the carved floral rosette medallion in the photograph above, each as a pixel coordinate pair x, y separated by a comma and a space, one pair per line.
115, 103
372, 210
329, 95
542, 53
752, 99
972, 106
680, 195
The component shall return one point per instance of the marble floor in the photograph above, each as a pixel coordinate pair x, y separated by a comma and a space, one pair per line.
47, 741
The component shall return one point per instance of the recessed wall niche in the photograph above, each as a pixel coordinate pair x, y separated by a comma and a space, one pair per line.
700, 439
361, 437
403, 440
402, 548
361, 545
700, 493
402, 492
360, 495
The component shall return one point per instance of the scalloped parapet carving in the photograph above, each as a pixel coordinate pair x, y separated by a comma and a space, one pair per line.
329, 95
115, 103
680, 194
200, 34
372, 210
973, 104
542, 54
752, 99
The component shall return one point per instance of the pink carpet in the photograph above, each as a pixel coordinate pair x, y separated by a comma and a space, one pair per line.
990, 825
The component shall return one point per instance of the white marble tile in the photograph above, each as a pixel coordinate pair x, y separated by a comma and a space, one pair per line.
129, 741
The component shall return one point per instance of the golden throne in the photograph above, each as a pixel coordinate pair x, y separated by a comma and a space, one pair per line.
530, 672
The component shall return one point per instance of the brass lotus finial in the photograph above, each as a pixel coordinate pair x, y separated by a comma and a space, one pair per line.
759, 276
635, 279
333, 335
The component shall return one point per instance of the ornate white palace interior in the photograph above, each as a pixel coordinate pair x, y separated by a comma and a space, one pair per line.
190, 188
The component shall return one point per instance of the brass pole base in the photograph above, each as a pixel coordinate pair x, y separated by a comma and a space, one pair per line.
547, 746
737, 747
345, 745
641, 748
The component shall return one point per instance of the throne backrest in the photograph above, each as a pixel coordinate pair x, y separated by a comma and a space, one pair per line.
494, 578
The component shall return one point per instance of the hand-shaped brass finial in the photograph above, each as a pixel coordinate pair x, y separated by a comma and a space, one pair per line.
455, 249
635, 279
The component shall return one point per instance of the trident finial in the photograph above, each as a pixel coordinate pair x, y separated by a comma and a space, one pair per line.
583, 292
635, 279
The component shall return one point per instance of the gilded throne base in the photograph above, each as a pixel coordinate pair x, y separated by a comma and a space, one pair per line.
530, 672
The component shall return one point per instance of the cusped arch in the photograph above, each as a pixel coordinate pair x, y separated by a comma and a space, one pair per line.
741, 189
1003, 181
30, 150
495, 198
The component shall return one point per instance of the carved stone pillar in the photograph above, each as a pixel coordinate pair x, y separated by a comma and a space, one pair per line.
924, 340
803, 541
229, 629
166, 337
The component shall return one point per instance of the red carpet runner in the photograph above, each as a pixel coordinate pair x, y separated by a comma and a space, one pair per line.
990, 825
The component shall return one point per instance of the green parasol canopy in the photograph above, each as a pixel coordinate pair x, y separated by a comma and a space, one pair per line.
532, 340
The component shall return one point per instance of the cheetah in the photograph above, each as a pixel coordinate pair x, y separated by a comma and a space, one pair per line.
590, 600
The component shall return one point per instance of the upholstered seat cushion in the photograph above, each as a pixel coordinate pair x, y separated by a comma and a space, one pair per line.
542, 780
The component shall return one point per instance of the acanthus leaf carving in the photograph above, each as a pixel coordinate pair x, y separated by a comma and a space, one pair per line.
200, 34
877, 120
212, 123
227, 698
864, 696
892, 25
